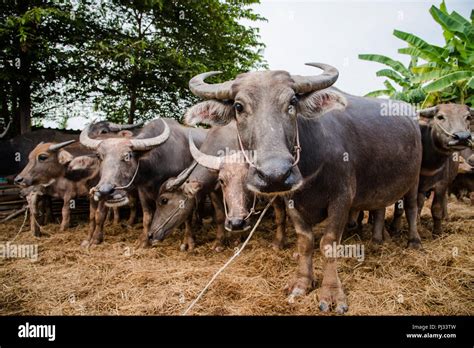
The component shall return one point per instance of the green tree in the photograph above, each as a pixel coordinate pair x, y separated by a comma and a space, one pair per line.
130, 59
39, 44
144, 67
435, 74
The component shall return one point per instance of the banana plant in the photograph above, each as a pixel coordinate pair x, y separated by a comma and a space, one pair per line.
446, 74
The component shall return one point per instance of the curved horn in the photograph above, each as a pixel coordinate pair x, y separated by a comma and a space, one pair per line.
115, 127
181, 178
56, 147
207, 161
91, 144
306, 84
148, 144
6, 130
210, 91
429, 112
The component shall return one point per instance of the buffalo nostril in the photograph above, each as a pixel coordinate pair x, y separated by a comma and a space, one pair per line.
462, 136
106, 189
287, 174
237, 224
260, 175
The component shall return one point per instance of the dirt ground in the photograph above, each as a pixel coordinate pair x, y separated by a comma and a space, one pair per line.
116, 278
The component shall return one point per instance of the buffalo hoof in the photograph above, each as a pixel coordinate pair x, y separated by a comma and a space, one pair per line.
85, 243
187, 246
144, 243
298, 287
277, 245
218, 249
218, 246
414, 244
333, 297
377, 241
436, 233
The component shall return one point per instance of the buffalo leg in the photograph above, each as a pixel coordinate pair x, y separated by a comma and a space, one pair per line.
188, 239
353, 221
48, 212
33, 205
331, 292
133, 209
303, 280
147, 219
219, 217
396, 224
280, 221
116, 213
421, 198
411, 212
100, 217
437, 210
92, 209
66, 213
378, 225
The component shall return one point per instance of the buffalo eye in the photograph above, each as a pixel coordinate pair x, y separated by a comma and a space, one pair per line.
294, 100
468, 118
42, 157
221, 182
163, 201
238, 107
440, 118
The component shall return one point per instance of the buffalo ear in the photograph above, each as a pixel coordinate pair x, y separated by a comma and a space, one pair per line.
210, 112
64, 157
191, 188
318, 103
125, 134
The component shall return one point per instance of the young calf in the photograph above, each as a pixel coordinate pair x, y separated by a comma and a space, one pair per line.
48, 162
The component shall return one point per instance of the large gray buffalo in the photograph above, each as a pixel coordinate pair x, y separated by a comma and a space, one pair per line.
328, 152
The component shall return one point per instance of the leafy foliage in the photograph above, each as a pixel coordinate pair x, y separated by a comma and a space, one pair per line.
129, 60
435, 74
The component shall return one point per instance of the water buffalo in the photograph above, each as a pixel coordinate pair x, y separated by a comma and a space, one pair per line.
49, 169
144, 162
14, 152
239, 203
463, 184
326, 151
49, 161
444, 130
178, 196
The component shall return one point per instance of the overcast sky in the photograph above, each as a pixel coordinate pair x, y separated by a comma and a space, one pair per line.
336, 32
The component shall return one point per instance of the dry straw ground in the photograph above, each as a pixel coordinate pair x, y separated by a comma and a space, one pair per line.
116, 278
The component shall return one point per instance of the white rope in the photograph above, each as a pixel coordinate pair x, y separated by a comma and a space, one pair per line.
230, 260
131, 181
22, 225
